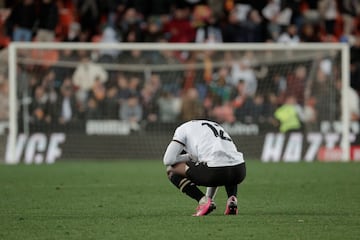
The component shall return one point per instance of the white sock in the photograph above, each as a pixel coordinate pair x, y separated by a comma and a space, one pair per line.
203, 200
211, 192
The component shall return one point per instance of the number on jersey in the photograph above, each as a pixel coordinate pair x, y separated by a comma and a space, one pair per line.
218, 132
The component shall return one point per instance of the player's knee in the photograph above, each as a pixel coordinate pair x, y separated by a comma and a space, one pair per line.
242, 174
178, 168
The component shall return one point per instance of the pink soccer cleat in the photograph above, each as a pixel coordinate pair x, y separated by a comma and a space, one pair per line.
204, 208
231, 206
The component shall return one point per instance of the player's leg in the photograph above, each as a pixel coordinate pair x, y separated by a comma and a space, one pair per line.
177, 175
237, 174
211, 192
231, 190
183, 183
231, 203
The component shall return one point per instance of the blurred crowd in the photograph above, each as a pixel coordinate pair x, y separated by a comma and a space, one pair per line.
238, 90
180, 20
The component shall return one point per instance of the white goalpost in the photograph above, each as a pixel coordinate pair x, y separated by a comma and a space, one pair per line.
296, 51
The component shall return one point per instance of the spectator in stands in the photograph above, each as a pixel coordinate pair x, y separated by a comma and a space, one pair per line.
355, 64
111, 103
159, 16
349, 10
116, 9
134, 86
48, 83
169, 107
89, 15
289, 115
4, 98
322, 90
179, 28
241, 8
73, 34
48, 20
239, 95
296, 8
22, 20
242, 103
191, 107
149, 98
85, 75
66, 109
261, 71
98, 93
123, 88
31, 83
208, 104
353, 101
217, 8
277, 18
153, 32
208, 30
63, 72
191, 76
311, 13
92, 110
131, 26
328, 13
233, 31
278, 87
270, 106
39, 108
223, 113
254, 27
85, 36
219, 86
109, 36
133, 36
170, 80
257, 111
242, 70
132, 112
290, 36
310, 115
119, 5
295, 85
309, 33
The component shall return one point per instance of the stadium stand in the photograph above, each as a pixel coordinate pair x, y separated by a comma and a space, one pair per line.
209, 94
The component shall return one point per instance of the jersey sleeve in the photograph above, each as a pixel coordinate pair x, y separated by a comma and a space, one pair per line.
180, 135
173, 154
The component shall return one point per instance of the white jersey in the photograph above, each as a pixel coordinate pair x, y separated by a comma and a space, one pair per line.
208, 142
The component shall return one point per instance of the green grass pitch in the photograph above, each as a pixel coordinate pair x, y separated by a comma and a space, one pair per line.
134, 200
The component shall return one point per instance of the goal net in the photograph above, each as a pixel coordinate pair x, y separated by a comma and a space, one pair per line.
99, 101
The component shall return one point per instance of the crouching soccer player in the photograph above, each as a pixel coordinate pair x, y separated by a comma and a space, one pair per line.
211, 160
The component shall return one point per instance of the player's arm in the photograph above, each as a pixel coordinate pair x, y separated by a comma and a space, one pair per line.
173, 154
